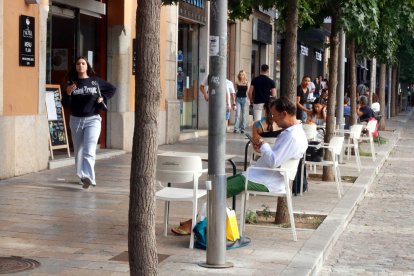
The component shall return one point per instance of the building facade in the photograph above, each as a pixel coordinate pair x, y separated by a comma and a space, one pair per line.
104, 32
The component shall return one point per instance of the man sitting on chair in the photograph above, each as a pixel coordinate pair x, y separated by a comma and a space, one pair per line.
290, 144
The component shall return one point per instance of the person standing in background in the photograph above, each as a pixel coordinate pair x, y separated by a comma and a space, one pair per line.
242, 86
302, 94
261, 89
318, 88
85, 95
312, 88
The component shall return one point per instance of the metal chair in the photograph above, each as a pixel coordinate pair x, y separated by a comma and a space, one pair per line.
288, 170
179, 169
335, 146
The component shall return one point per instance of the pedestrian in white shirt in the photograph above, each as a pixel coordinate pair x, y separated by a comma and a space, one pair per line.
230, 95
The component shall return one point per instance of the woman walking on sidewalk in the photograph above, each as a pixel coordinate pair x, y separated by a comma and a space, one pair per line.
242, 86
85, 95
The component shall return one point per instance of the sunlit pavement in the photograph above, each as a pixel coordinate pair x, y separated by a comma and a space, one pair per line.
47, 217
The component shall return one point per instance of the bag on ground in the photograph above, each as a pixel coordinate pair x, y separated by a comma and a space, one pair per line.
200, 233
232, 231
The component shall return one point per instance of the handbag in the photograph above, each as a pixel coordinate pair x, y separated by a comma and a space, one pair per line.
232, 231
102, 105
314, 152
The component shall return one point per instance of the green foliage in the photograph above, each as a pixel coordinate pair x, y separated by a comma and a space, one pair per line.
266, 211
251, 217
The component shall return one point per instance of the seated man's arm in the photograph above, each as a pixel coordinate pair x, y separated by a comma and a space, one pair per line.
282, 150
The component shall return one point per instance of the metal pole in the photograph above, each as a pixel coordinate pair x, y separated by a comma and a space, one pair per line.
275, 53
373, 81
389, 91
341, 84
216, 209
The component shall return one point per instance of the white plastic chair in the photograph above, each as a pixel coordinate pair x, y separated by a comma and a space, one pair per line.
353, 141
288, 170
335, 146
179, 169
371, 127
310, 131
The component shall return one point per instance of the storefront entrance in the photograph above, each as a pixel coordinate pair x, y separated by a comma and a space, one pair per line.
72, 32
187, 74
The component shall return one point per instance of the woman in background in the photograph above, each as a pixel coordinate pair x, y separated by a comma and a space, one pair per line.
85, 95
242, 86
265, 127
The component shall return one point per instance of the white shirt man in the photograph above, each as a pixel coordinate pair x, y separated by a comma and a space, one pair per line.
290, 144
230, 93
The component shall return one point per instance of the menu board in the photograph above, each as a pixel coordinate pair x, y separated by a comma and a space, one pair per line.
58, 138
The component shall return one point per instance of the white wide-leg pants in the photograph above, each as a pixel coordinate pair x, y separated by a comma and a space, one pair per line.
85, 135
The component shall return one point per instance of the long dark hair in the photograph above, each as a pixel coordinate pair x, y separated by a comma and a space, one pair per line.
73, 74
267, 108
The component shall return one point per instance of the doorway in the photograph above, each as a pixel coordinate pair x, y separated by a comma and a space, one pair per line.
187, 74
72, 32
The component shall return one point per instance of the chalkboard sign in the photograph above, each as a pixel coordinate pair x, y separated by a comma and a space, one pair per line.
58, 137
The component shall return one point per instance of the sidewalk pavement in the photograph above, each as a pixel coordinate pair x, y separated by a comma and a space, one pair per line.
47, 217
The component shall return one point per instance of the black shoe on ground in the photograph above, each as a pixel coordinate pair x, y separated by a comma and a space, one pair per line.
86, 183
242, 131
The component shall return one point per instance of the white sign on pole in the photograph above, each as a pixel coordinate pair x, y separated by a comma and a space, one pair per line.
214, 45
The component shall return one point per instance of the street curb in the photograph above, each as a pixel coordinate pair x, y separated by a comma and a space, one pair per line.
310, 258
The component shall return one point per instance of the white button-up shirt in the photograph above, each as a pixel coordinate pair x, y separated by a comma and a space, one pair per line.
290, 144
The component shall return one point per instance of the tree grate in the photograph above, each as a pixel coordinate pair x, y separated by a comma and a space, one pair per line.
16, 264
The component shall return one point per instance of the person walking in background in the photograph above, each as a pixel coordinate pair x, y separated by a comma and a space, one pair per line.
302, 94
230, 99
261, 89
242, 86
85, 95
230, 95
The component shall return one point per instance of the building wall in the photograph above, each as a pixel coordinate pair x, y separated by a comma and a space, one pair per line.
169, 116
23, 121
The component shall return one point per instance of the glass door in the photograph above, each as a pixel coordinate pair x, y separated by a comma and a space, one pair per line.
187, 72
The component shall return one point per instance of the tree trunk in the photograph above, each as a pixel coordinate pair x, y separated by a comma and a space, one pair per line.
353, 82
383, 70
291, 49
282, 214
394, 93
328, 174
141, 231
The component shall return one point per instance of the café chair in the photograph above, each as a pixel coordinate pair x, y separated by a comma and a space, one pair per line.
173, 169
335, 147
288, 170
371, 128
